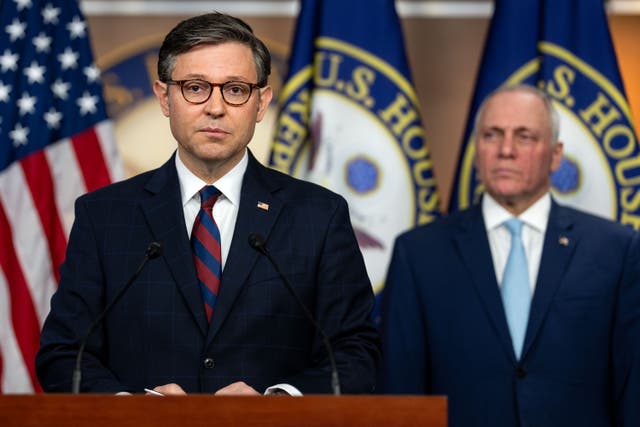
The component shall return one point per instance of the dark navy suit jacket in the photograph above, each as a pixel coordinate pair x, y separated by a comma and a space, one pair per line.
445, 330
158, 333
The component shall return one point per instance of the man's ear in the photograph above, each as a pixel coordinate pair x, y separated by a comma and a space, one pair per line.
556, 156
265, 94
161, 91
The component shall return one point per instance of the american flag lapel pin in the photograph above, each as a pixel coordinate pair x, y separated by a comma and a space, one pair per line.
563, 241
264, 206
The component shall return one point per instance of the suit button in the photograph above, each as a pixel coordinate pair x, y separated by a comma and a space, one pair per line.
521, 372
209, 363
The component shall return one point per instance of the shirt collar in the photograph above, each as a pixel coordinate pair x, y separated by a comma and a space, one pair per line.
536, 216
229, 185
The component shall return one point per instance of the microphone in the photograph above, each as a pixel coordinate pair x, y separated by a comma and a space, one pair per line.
257, 242
153, 251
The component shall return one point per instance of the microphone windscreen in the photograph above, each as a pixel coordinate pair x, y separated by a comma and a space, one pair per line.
154, 250
256, 241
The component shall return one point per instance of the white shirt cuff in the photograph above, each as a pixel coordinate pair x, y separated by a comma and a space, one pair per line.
280, 388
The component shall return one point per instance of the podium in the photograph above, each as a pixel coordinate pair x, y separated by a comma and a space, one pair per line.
97, 410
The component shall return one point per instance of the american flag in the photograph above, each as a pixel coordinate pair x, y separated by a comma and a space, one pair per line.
56, 143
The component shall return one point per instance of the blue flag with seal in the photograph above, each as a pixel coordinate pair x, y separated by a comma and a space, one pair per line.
564, 47
349, 120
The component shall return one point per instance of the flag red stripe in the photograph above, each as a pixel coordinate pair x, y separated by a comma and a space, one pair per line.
91, 161
1, 371
38, 175
23, 313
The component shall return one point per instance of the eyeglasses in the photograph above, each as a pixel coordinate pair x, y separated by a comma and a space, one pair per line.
199, 91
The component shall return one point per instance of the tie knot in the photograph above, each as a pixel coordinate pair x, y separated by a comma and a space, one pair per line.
208, 196
515, 226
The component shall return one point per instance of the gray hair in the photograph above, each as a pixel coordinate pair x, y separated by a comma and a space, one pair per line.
554, 117
212, 28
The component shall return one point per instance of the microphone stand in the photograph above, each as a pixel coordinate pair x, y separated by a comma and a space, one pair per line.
153, 251
257, 242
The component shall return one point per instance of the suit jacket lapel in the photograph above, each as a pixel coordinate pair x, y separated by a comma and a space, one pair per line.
559, 245
165, 216
473, 244
257, 213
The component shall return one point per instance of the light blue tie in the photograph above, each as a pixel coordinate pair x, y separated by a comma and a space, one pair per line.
516, 292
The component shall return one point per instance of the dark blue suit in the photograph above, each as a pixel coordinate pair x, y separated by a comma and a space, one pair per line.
445, 330
158, 333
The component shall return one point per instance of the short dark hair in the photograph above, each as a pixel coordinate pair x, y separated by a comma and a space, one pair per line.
212, 28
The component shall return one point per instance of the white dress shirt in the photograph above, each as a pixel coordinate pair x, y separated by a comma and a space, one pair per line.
534, 226
225, 210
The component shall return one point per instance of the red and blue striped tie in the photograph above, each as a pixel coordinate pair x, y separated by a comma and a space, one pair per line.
205, 242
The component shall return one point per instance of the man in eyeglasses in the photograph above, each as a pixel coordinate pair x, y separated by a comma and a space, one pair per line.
211, 314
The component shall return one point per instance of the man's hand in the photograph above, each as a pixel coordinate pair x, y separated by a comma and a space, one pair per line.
237, 389
169, 389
